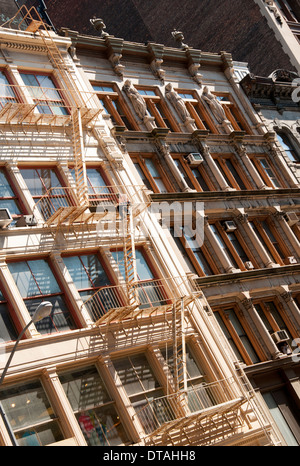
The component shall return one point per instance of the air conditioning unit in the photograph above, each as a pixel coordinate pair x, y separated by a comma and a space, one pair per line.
249, 265
291, 218
229, 226
194, 159
5, 218
290, 260
26, 221
280, 336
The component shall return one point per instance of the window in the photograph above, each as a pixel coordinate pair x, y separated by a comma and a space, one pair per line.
95, 411
31, 415
36, 283
151, 174
198, 397
114, 106
271, 240
44, 93
267, 172
158, 109
8, 198
7, 328
196, 255
195, 177
231, 172
7, 94
287, 9
273, 317
233, 245
287, 146
233, 114
141, 386
46, 189
285, 414
197, 110
87, 273
240, 340
151, 291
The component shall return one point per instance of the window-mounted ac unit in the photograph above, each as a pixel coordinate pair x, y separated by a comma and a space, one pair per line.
26, 221
229, 226
194, 159
249, 265
5, 218
290, 260
280, 336
291, 218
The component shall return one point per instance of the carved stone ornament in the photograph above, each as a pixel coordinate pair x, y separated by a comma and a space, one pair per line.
98, 25
138, 102
179, 37
214, 105
177, 102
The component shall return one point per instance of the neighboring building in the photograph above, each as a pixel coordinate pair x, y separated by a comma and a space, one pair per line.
253, 31
152, 330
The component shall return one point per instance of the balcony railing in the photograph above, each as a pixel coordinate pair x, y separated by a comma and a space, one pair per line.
61, 204
42, 105
116, 303
177, 410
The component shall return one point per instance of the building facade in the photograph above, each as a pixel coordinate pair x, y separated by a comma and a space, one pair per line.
145, 198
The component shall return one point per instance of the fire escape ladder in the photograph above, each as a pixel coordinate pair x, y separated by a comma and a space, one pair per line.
179, 350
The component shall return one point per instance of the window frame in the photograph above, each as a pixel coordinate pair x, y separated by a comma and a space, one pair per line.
47, 101
16, 98
192, 256
197, 110
255, 159
267, 242
152, 102
242, 350
140, 160
107, 99
16, 198
237, 259
109, 403
220, 160
71, 317
233, 112
190, 175
263, 303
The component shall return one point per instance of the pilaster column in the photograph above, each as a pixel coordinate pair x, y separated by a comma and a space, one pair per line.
215, 169
163, 150
243, 219
63, 409
279, 215
246, 301
287, 297
242, 151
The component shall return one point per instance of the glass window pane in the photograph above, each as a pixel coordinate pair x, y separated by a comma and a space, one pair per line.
7, 329
24, 279
84, 389
26, 404
280, 420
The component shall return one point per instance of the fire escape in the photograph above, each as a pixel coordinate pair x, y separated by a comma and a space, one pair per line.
188, 415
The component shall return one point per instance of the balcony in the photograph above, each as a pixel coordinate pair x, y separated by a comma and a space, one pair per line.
147, 297
61, 205
175, 413
33, 105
